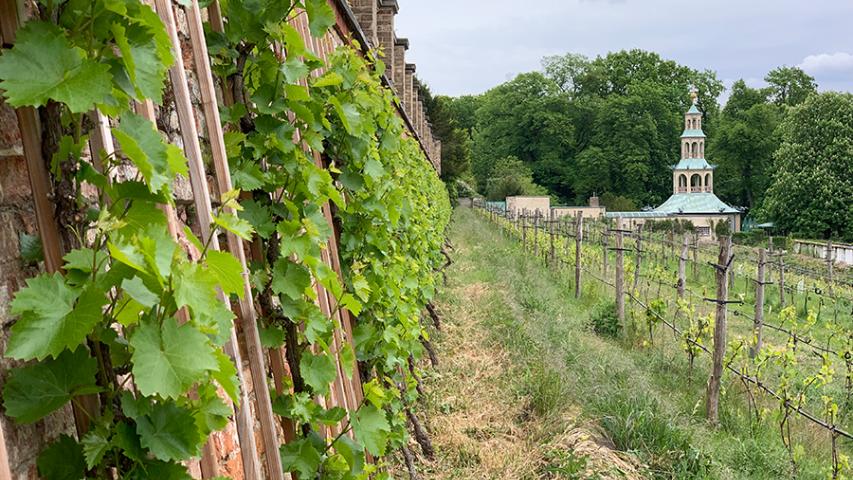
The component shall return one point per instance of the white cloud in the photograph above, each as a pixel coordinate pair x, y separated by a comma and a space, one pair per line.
827, 63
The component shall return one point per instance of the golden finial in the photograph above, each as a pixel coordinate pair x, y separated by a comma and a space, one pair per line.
694, 94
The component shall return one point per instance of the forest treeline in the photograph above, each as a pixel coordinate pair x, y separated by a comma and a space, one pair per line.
610, 126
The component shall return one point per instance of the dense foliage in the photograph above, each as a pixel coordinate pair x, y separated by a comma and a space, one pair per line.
812, 187
133, 319
312, 144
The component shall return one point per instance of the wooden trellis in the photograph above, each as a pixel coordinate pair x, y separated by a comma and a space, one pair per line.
198, 118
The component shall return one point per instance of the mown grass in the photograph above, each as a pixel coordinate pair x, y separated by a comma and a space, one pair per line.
647, 401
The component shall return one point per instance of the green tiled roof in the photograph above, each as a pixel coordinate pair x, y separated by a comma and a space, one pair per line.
693, 164
649, 214
682, 203
693, 133
693, 109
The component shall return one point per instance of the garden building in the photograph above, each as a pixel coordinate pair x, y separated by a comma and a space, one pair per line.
693, 197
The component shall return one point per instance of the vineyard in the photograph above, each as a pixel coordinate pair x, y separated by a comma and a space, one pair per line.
239, 227
772, 326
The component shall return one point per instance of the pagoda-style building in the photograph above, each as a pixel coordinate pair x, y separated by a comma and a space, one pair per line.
693, 196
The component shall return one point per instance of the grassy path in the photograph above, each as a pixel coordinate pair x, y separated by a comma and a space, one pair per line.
525, 389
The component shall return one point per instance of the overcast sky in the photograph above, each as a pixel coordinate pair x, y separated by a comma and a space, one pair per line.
468, 46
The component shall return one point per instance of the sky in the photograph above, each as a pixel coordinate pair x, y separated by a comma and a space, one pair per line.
469, 46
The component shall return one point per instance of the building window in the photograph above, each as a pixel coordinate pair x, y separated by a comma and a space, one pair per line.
703, 231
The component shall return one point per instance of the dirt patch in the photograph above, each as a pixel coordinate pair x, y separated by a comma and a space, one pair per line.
482, 429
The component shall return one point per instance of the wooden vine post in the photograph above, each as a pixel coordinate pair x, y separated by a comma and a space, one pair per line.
536, 233
578, 243
759, 303
719, 352
638, 258
604, 253
524, 230
682, 267
781, 280
552, 254
620, 273
695, 256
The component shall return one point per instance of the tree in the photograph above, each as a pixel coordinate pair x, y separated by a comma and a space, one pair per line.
743, 146
790, 85
455, 141
564, 69
511, 177
812, 188
526, 118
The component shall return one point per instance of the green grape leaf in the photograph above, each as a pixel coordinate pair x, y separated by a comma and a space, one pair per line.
349, 115
347, 356
371, 428
259, 216
50, 320
235, 225
34, 391
95, 444
126, 438
349, 302
318, 371
227, 271
271, 337
332, 416
169, 432
137, 290
294, 70
62, 460
226, 375
194, 286
141, 59
157, 161
127, 254
320, 16
31, 250
161, 471
352, 452
290, 279
301, 457
212, 413
43, 66
168, 361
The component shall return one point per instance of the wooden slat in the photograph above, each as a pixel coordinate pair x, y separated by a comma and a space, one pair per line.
40, 186
201, 196
247, 314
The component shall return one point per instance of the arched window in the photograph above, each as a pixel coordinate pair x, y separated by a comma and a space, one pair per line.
682, 183
701, 149
695, 150
696, 183
707, 182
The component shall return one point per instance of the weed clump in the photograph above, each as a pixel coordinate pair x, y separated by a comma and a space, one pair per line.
603, 320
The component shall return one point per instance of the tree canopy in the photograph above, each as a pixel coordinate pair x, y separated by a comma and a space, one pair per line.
811, 189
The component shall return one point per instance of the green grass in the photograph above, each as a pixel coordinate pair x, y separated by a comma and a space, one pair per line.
643, 399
